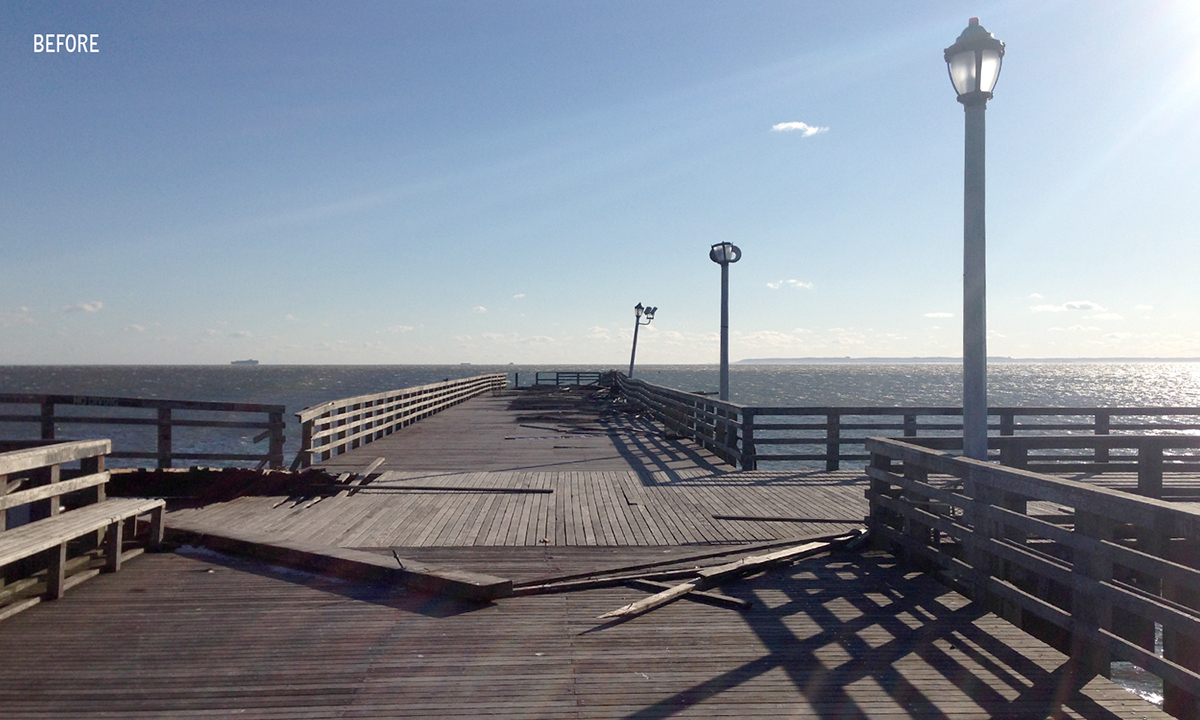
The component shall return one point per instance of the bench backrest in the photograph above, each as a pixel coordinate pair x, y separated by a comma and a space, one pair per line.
32, 477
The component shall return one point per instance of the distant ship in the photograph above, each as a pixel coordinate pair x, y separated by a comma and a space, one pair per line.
244, 362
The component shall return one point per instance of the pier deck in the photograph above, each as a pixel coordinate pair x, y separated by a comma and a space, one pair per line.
553, 429
846, 635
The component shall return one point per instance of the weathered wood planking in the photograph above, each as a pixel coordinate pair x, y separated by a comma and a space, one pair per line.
489, 433
582, 508
832, 637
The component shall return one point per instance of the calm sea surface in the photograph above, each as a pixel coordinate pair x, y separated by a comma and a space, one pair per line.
300, 386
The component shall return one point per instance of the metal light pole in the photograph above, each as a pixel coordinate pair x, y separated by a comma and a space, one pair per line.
974, 64
638, 311
724, 254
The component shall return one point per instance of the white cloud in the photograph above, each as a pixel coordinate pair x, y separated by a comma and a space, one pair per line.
20, 316
518, 296
134, 328
804, 129
1072, 305
939, 315
1035, 296
479, 309
89, 307
241, 334
798, 284
401, 328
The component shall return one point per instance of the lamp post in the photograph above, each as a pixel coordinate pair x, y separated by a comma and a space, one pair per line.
724, 254
974, 64
638, 312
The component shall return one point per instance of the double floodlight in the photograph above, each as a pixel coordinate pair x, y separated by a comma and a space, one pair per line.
647, 311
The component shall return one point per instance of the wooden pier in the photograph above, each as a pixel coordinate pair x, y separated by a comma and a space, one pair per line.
541, 489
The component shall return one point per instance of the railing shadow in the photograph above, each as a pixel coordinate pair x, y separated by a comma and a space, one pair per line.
856, 634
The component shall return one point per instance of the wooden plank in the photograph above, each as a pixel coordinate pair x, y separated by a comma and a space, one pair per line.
712, 576
17, 461
54, 489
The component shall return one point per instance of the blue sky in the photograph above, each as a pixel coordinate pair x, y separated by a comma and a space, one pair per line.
444, 182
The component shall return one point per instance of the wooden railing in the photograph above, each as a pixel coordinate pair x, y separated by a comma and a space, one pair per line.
337, 426
832, 435
831, 431
724, 428
164, 419
1149, 457
1089, 569
569, 377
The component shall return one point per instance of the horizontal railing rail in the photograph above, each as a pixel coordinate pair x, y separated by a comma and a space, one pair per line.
726, 429
750, 435
1091, 570
164, 420
569, 377
833, 434
338, 426
1149, 456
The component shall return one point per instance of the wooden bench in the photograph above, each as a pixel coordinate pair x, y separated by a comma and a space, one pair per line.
64, 508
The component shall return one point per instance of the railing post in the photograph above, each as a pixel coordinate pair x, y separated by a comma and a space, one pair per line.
833, 446
910, 425
749, 461
1014, 453
1181, 648
47, 420
164, 438
1008, 423
1150, 468
877, 516
1088, 610
275, 448
1102, 426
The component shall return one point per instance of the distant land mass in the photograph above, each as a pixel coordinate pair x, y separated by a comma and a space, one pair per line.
864, 360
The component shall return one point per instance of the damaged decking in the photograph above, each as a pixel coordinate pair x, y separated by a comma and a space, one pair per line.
524, 489
842, 636
544, 508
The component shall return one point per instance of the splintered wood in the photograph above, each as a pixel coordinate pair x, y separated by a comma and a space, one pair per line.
711, 577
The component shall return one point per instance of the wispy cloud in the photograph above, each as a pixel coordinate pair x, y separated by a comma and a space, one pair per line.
87, 307
804, 129
1036, 296
1086, 305
798, 284
241, 334
939, 315
479, 309
518, 296
20, 316
401, 328
134, 328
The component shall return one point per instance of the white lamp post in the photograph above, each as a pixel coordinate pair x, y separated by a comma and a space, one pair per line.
974, 64
638, 312
725, 254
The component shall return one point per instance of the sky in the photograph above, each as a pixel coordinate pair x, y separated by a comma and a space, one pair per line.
489, 182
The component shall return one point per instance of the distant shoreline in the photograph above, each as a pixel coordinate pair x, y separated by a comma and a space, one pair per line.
914, 360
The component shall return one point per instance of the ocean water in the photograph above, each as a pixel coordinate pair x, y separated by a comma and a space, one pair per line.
863, 384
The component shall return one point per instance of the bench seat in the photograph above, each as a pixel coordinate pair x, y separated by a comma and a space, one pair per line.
56, 531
